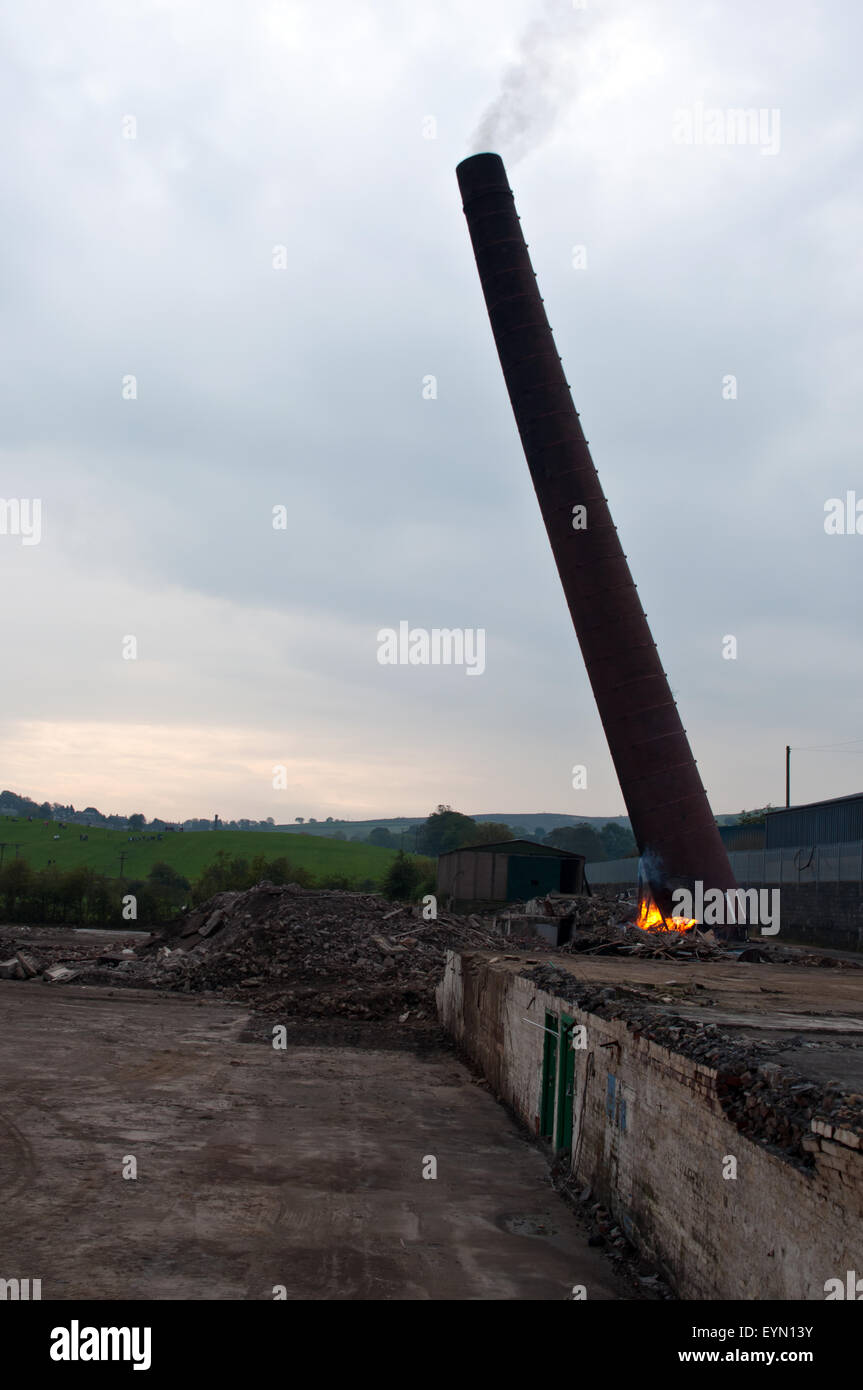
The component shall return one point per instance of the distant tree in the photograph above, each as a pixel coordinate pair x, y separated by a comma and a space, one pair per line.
164, 875
74, 886
382, 837
149, 906
402, 878
445, 829
338, 881
329, 820
618, 840
15, 882
578, 839
538, 832
488, 832
299, 819
754, 817
137, 821
167, 887
274, 870
99, 900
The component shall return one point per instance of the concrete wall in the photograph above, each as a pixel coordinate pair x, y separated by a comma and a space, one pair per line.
614, 873
651, 1139
841, 863
825, 914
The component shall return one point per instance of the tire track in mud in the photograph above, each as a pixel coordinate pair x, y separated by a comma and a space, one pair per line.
17, 1161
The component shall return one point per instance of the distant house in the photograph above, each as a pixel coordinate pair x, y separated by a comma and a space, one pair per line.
508, 871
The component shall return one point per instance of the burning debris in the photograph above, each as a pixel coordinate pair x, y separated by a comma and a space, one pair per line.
651, 919
611, 924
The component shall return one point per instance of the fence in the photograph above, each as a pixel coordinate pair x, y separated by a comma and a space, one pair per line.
842, 863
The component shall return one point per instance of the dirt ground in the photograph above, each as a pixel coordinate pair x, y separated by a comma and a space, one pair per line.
260, 1168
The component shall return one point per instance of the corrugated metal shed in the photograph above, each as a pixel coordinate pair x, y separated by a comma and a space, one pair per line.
507, 871
742, 837
818, 823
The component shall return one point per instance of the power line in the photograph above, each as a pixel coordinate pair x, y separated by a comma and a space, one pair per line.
826, 748
808, 747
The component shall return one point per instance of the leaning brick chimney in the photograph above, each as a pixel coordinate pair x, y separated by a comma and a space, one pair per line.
671, 817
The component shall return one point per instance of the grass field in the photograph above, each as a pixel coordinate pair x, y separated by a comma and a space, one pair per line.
189, 851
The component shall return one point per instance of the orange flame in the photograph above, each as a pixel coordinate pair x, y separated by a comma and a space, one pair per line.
651, 919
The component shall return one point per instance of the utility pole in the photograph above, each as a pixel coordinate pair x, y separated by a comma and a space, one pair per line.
3, 845
787, 776
123, 855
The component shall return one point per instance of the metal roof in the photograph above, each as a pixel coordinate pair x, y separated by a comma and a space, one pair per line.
811, 805
817, 822
515, 847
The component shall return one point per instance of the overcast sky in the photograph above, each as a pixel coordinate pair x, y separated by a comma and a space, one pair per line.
306, 126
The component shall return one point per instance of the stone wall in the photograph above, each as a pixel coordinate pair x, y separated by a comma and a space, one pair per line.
651, 1139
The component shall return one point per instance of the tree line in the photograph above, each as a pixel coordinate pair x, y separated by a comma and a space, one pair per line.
446, 829
12, 804
83, 897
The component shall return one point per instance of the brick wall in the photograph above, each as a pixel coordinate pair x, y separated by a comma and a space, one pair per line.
652, 1140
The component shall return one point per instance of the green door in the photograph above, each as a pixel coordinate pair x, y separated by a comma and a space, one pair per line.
531, 875
549, 1077
566, 1084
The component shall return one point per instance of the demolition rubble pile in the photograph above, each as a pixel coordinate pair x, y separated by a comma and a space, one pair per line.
305, 953
771, 1104
584, 912
29, 957
604, 925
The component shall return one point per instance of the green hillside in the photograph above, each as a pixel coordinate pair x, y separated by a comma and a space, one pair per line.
188, 851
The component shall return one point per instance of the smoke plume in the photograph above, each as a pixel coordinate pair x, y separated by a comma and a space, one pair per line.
534, 88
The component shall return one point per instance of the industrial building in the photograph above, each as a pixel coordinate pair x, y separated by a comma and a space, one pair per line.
740, 837
510, 871
834, 822
837, 821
